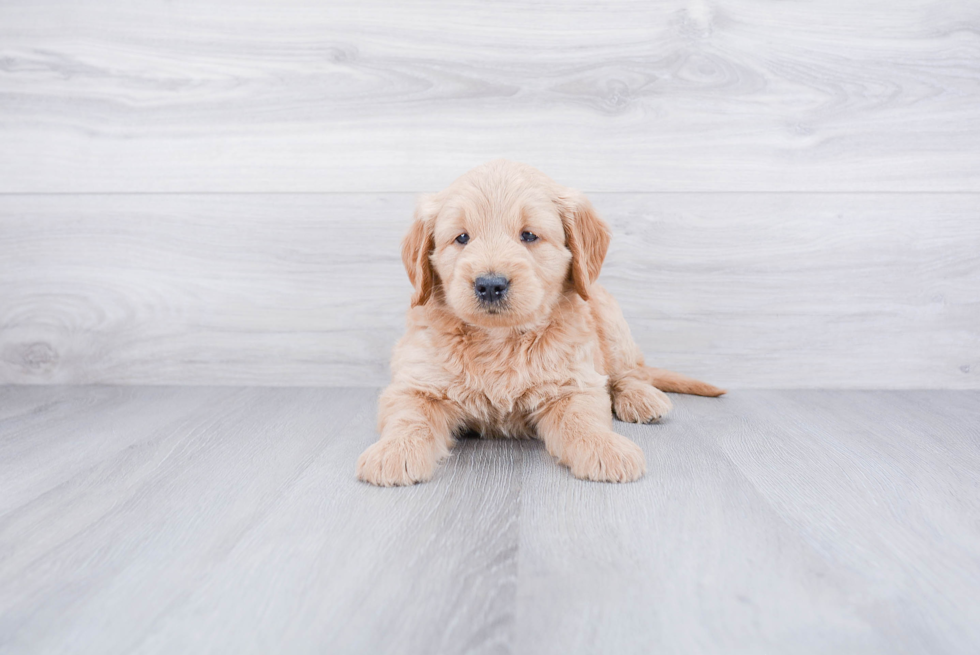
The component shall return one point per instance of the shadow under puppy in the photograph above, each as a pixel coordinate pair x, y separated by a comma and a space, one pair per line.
510, 336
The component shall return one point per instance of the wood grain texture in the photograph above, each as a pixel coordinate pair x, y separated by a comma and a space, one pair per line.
376, 96
134, 530
769, 522
746, 290
160, 520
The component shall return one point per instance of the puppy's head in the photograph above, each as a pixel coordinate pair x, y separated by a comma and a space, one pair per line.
502, 244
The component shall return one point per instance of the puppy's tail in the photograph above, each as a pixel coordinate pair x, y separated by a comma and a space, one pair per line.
677, 383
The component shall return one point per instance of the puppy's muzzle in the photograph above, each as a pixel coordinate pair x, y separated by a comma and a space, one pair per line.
491, 289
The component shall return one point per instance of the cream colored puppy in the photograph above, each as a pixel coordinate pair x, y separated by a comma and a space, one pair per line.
510, 336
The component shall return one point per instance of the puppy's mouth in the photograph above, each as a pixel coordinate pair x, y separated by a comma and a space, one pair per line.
498, 314
494, 309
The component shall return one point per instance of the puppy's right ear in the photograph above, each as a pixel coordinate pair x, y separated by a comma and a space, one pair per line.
416, 248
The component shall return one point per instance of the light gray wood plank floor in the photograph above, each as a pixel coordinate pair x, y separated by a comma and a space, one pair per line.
180, 519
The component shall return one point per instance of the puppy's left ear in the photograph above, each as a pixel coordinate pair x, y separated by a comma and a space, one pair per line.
416, 248
587, 237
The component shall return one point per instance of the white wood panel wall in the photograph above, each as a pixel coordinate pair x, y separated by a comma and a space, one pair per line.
213, 192
370, 95
748, 290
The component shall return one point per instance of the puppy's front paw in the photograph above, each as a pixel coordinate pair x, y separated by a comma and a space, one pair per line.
604, 457
640, 403
397, 462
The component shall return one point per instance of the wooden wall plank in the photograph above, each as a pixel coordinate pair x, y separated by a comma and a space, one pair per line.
746, 290
373, 96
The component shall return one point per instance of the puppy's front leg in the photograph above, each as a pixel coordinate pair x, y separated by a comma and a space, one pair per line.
577, 429
416, 434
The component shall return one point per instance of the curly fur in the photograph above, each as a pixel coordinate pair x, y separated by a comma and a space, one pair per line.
553, 362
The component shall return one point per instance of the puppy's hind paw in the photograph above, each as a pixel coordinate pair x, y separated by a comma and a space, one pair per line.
638, 402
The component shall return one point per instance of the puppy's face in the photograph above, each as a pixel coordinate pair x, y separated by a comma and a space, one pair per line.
501, 261
504, 242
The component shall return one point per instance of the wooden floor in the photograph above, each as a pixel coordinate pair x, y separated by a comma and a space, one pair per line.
179, 519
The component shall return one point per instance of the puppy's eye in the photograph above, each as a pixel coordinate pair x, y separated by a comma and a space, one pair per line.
462, 239
528, 237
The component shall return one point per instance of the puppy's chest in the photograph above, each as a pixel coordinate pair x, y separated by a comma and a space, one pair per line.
503, 377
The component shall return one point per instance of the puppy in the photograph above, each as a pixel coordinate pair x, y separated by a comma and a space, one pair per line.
510, 336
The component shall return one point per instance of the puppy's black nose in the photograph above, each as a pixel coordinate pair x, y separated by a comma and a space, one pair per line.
491, 288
